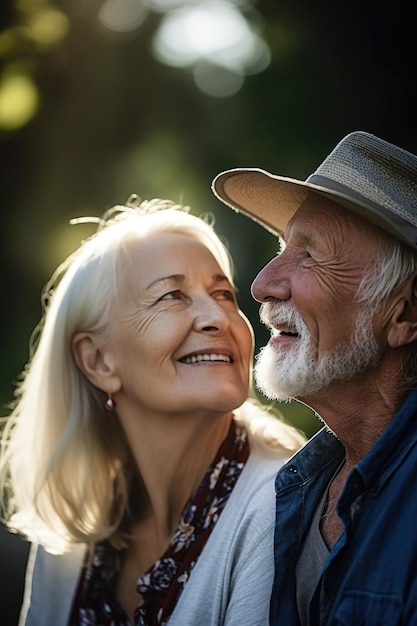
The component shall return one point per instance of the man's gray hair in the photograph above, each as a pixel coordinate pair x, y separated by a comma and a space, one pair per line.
394, 264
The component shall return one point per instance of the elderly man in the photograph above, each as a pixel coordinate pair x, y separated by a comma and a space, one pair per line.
341, 303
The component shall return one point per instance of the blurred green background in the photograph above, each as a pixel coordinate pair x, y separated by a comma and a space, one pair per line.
103, 98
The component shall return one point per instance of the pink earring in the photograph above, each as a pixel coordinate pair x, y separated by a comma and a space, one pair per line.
110, 403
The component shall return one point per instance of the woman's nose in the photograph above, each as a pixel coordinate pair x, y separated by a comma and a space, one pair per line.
211, 317
269, 284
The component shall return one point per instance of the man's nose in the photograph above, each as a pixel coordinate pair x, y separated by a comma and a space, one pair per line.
270, 284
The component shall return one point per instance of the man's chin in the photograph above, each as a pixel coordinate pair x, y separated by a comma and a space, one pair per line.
268, 380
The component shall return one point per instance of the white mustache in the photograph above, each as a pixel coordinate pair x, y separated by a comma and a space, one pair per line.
281, 314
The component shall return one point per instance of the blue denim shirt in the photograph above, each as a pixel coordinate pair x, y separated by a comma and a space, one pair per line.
370, 576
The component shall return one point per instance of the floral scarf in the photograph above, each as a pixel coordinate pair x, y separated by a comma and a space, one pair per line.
160, 587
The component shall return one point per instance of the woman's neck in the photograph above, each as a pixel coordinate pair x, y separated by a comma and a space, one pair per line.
171, 458
171, 462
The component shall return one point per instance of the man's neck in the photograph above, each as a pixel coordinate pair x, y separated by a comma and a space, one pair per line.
357, 412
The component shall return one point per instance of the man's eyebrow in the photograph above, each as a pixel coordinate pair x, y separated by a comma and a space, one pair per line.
305, 238
299, 236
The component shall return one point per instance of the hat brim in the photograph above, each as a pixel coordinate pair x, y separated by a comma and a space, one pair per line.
272, 200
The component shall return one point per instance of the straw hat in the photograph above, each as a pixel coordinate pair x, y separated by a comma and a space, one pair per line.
363, 173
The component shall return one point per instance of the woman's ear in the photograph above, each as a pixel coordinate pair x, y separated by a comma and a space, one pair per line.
94, 363
402, 330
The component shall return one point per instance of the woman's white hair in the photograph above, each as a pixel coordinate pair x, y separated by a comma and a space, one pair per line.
64, 465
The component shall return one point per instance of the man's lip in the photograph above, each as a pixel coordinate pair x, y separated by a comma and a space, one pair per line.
209, 355
284, 336
285, 331
278, 339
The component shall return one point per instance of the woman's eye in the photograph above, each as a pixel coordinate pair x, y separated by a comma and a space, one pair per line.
225, 294
172, 295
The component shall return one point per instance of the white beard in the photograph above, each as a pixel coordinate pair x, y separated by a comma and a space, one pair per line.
297, 371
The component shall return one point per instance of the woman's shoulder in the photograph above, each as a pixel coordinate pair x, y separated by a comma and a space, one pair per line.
50, 584
269, 435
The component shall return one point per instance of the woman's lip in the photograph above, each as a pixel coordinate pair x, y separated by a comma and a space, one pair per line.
211, 354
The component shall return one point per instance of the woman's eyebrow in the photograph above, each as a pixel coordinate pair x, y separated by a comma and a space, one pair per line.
174, 278
180, 278
220, 278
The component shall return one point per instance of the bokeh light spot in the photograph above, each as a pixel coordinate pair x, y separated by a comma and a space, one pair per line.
19, 100
122, 15
48, 27
215, 31
217, 81
163, 6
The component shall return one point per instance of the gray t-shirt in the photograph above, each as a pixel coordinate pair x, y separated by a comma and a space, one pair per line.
310, 562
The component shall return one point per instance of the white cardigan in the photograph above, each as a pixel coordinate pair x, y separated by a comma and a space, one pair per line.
229, 586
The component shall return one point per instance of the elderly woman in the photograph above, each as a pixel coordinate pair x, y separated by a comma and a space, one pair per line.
133, 459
